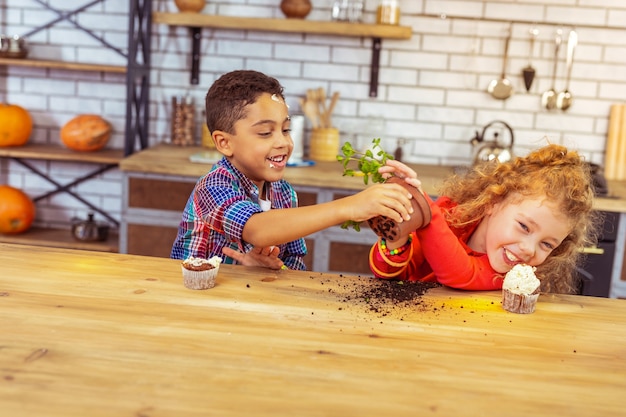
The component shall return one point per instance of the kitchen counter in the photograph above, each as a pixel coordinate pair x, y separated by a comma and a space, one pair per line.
101, 334
174, 160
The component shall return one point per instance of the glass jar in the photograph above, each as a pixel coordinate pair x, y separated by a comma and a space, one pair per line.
183, 115
347, 10
388, 12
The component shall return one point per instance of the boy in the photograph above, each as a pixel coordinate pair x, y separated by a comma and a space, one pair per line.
243, 209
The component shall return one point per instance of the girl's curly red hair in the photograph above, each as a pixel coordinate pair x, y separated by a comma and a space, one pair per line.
553, 171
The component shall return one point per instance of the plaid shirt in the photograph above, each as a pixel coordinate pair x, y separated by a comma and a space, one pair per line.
219, 207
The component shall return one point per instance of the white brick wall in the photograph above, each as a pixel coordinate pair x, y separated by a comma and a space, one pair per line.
432, 88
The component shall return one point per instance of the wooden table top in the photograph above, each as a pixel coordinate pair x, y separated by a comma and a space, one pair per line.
166, 159
100, 334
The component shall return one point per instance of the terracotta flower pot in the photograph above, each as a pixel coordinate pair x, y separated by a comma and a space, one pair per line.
389, 230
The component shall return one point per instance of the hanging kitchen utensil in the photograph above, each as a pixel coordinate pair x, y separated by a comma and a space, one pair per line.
529, 72
502, 88
564, 99
548, 99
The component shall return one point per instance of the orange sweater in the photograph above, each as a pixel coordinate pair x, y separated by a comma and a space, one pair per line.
439, 253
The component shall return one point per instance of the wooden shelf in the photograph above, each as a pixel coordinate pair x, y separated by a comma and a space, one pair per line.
60, 238
196, 21
59, 153
283, 25
39, 63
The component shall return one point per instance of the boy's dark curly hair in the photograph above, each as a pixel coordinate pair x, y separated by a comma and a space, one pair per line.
553, 171
228, 97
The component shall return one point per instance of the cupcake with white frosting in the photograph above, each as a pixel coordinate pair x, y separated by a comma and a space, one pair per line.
200, 273
520, 289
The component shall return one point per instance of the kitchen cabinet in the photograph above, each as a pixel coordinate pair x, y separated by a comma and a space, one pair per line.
157, 182
597, 267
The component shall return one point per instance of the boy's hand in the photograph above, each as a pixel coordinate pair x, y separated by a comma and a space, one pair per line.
266, 257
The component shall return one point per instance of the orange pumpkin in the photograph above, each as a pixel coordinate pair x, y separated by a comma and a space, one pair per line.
190, 5
17, 210
86, 133
16, 125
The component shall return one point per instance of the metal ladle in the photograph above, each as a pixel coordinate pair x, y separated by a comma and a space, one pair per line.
502, 88
548, 99
564, 99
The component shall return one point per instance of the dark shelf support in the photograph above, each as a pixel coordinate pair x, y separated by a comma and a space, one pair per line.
138, 76
196, 36
375, 66
61, 188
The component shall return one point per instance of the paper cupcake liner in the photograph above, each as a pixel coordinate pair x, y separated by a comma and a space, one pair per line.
199, 280
518, 303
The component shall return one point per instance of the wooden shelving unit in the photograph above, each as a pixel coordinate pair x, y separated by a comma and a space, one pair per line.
75, 66
196, 21
137, 68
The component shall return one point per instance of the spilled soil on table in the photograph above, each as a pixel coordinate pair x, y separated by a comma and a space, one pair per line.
383, 297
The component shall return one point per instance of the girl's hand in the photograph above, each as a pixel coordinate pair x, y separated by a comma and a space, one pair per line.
400, 170
266, 257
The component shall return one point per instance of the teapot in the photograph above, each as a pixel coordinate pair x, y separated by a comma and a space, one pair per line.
494, 149
89, 230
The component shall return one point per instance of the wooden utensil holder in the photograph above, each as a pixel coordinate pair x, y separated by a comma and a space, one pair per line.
324, 144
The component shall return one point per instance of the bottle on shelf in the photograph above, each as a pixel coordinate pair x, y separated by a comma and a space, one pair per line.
388, 12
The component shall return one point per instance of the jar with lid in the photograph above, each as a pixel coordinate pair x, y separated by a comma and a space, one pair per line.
388, 12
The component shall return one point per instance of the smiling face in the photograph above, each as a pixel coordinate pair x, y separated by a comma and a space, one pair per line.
520, 230
261, 143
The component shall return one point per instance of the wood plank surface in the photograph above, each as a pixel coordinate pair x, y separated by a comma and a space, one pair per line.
169, 159
101, 334
61, 153
75, 66
62, 238
283, 25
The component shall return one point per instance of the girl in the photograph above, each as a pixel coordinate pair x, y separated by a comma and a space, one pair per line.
535, 210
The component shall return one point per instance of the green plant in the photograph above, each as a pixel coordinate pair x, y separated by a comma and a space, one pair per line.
367, 164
